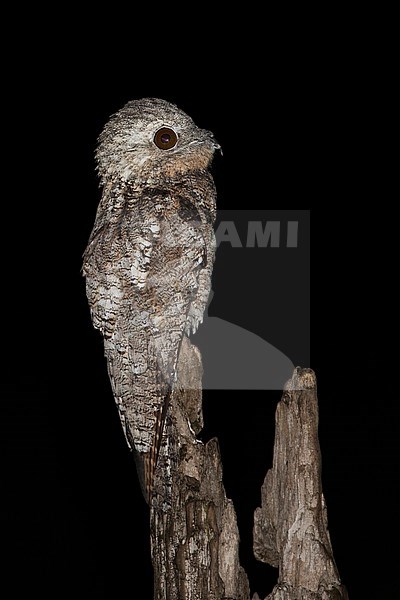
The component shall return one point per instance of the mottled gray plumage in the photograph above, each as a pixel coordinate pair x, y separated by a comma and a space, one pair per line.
149, 259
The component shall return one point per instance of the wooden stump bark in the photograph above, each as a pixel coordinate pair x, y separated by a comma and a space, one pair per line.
194, 536
194, 533
291, 527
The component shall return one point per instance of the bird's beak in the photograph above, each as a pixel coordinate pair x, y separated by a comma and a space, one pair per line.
217, 146
206, 137
211, 138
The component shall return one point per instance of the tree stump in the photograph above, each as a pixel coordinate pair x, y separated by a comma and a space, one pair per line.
193, 527
291, 527
194, 535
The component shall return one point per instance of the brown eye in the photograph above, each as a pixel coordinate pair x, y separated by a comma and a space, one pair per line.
165, 138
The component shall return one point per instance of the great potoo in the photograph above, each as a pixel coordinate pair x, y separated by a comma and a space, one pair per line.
149, 259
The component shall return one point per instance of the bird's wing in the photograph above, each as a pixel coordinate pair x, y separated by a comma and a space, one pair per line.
143, 274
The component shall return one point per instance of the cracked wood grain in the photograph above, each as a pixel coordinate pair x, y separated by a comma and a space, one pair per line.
291, 526
194, 536
195, 539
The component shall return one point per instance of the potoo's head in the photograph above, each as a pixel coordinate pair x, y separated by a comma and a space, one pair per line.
149, 137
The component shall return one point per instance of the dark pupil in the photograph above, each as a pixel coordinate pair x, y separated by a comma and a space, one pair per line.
165, 138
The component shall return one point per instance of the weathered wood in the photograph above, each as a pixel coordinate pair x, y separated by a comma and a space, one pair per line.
194, 536
291, 527
194, 533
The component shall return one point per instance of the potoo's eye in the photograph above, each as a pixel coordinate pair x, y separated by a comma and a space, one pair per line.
165, 138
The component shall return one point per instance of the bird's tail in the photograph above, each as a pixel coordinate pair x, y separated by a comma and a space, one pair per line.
146, 462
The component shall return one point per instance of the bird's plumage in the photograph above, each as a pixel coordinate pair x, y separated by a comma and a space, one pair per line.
148, 262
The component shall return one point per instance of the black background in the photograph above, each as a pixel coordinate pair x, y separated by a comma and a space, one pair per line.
252, 282
77, 521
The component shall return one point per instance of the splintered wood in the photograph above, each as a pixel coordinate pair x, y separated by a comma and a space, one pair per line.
194, 533
291, 527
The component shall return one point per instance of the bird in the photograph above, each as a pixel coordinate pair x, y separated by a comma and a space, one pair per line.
149, 260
